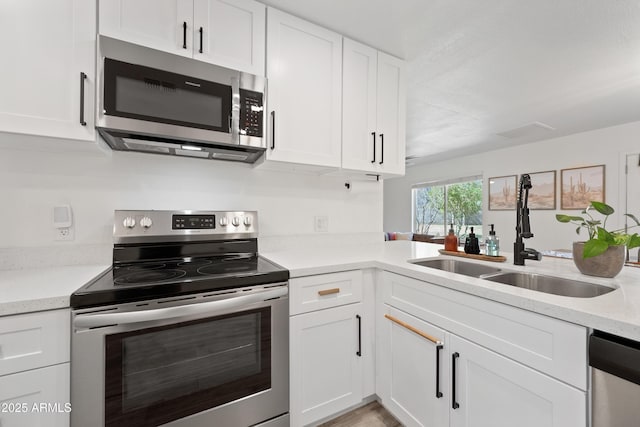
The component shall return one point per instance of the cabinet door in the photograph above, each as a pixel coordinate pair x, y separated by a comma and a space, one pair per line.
304, 66
32, 340
492, 390
36, 398
391, 112
158, 24
233, 34
412, 370
326, 372
45, 48
359, 133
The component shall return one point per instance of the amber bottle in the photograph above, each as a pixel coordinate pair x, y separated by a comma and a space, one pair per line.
451, 241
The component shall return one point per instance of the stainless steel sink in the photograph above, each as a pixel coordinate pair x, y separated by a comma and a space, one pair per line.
459, 267
550, 284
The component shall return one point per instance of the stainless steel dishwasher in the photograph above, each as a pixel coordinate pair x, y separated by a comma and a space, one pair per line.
615, 380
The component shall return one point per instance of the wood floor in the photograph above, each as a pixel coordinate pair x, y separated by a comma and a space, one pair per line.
371, 415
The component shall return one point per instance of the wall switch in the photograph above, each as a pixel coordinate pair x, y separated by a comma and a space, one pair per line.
321, 224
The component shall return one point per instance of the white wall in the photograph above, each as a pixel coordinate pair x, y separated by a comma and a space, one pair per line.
603, 146
96, 182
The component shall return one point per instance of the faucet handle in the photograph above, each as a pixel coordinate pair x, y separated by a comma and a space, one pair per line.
531, 253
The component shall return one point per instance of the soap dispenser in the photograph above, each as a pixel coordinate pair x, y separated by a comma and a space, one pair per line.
471, 245
451, 241
492, 243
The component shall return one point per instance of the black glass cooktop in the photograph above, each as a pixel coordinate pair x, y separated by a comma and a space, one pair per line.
136, 281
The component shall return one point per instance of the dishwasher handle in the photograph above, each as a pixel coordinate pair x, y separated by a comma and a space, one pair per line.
212, 307
615, 355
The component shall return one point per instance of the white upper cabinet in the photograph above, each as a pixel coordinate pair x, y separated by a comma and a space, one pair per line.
359, 128
233, 33
229, 33
304, 66
391, 113
373, 118
45, 48
159, 24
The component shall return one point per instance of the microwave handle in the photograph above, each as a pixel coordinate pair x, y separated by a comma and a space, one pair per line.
234, 127
212, 308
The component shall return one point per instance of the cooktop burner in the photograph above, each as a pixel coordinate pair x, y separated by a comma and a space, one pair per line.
160, 254
147, 276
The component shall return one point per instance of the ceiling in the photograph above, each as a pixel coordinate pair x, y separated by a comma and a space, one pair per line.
495, 73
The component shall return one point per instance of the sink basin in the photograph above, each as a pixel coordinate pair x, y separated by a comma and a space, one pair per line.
549, 284
459, 267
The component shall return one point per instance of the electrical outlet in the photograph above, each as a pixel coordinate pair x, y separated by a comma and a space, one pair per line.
321, 224
64, 234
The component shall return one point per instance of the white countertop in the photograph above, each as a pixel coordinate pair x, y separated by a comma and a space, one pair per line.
617, 312
38, 289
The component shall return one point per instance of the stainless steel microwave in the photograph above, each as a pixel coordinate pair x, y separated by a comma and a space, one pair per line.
156, 102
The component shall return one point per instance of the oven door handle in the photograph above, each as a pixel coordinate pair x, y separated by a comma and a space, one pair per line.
212, 308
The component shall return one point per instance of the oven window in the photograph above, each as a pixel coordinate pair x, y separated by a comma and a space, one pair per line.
160, 374
145, 93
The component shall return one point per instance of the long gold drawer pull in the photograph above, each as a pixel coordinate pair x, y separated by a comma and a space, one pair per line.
413, 329
328, 291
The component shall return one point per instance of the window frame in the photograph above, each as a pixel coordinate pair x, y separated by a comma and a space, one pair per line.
444, 183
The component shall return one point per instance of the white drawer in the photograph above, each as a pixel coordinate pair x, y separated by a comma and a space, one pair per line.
552, 346
324, 291
34, 340
39, 397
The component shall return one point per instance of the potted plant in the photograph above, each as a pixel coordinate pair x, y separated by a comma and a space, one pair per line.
603, 255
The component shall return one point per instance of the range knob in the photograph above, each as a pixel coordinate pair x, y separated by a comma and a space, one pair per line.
129, 222
235, 221
146, 222
247, 221
224, 221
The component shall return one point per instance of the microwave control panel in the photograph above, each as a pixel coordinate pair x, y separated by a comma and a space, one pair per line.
251, 113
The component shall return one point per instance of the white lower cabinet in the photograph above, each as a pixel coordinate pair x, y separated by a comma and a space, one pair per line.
492, 390
34, 369
39, 397
326, 372
331, 331
434, 375
411, 369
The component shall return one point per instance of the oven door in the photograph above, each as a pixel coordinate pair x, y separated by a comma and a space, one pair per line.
210, 360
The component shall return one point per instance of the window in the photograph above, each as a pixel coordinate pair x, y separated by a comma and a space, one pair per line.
438, 204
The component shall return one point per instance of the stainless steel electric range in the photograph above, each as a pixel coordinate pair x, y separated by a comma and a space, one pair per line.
188, 328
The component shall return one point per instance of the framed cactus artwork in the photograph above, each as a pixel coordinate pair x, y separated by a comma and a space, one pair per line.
502, 193
581, 186
543, 191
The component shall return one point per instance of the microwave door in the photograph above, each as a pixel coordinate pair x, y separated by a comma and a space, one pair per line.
144, 93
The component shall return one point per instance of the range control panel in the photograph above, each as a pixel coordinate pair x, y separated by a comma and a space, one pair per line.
156, 226
193, 222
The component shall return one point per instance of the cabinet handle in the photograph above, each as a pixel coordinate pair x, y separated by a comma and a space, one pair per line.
374, 147
413, 329
83, 77
454, 404
184, 34
273, 130
359, 352
329, 291
381, 148
200, 31
438, 392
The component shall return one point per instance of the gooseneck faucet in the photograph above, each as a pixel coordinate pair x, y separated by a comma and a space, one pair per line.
523, 227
